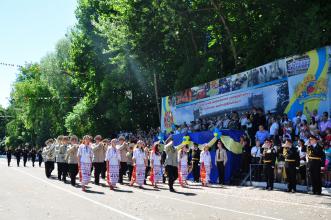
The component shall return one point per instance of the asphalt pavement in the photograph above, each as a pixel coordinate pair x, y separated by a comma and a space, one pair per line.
25, 193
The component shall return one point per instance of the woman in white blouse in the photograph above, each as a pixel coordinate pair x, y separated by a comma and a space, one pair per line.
113, 159
155, 161
85, 155
139, 164
182, 166
205, 168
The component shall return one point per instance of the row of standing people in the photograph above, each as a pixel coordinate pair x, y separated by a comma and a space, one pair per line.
112, 159
26, 154
315, 157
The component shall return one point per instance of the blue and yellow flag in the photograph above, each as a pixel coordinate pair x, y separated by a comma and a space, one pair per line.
230, 138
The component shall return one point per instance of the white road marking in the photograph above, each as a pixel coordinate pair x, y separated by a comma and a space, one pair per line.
208, 206
80, 196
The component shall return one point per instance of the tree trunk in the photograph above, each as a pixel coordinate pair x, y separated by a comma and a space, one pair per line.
228, 32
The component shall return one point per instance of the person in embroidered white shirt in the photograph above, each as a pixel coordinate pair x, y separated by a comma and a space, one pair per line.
113, 159
139, 163
182, 166
205, 161
220, 160
155, 161
85, 156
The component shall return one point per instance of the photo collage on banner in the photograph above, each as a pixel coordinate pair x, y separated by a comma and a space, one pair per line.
287, 85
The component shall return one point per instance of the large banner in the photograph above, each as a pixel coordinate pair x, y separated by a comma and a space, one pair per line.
309, 82
287, 85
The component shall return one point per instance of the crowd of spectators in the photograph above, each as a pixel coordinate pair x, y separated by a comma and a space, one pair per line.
259, 126
148, 137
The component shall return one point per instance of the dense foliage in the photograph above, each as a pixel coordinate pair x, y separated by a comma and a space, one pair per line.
101, 77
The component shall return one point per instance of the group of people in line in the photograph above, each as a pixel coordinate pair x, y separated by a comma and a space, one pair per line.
26, 154
293, 143
114, 159
315, 158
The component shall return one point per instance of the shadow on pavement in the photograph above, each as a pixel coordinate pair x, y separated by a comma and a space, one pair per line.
185, 193
122, 190
93, 192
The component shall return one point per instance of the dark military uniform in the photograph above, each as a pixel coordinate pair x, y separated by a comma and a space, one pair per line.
292, 161
195, 155
18, 154
8, 157
269, 159
33, 156
316, 160
40, 157
25, 156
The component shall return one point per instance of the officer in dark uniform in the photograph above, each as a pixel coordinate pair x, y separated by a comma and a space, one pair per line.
269, 159
292, 161
33, 153
8, 156
18, 154
316, 160
40, 157
25, 156
195, 155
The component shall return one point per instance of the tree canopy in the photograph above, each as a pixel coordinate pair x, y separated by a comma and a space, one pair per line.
101, 76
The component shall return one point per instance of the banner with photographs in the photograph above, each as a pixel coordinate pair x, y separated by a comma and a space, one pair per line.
287, 85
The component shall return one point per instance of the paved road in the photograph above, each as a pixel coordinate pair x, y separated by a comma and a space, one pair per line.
25, 193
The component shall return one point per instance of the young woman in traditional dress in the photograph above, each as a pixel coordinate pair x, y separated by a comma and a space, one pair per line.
113, 159
139, 164
205, 168
85, 156
155, 161
182, 166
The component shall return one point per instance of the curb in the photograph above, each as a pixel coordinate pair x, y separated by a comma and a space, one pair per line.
283, 186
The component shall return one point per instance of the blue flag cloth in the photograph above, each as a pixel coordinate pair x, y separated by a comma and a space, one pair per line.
234, 158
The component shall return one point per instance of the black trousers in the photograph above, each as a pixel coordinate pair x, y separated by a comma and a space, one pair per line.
302, 171
73, 171
97, 171
62, 170
40, 161
18, 159
25, 159
315, 175
33, 159
196, 171
269, 175
130, 169
147, 169
123, 169
172, 172
220, 168
291, 176
104, 170
8, 160
49, 167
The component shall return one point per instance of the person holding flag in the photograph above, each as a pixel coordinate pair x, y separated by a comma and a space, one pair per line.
205, 158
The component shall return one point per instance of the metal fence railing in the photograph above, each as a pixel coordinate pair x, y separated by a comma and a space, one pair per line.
257, 174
